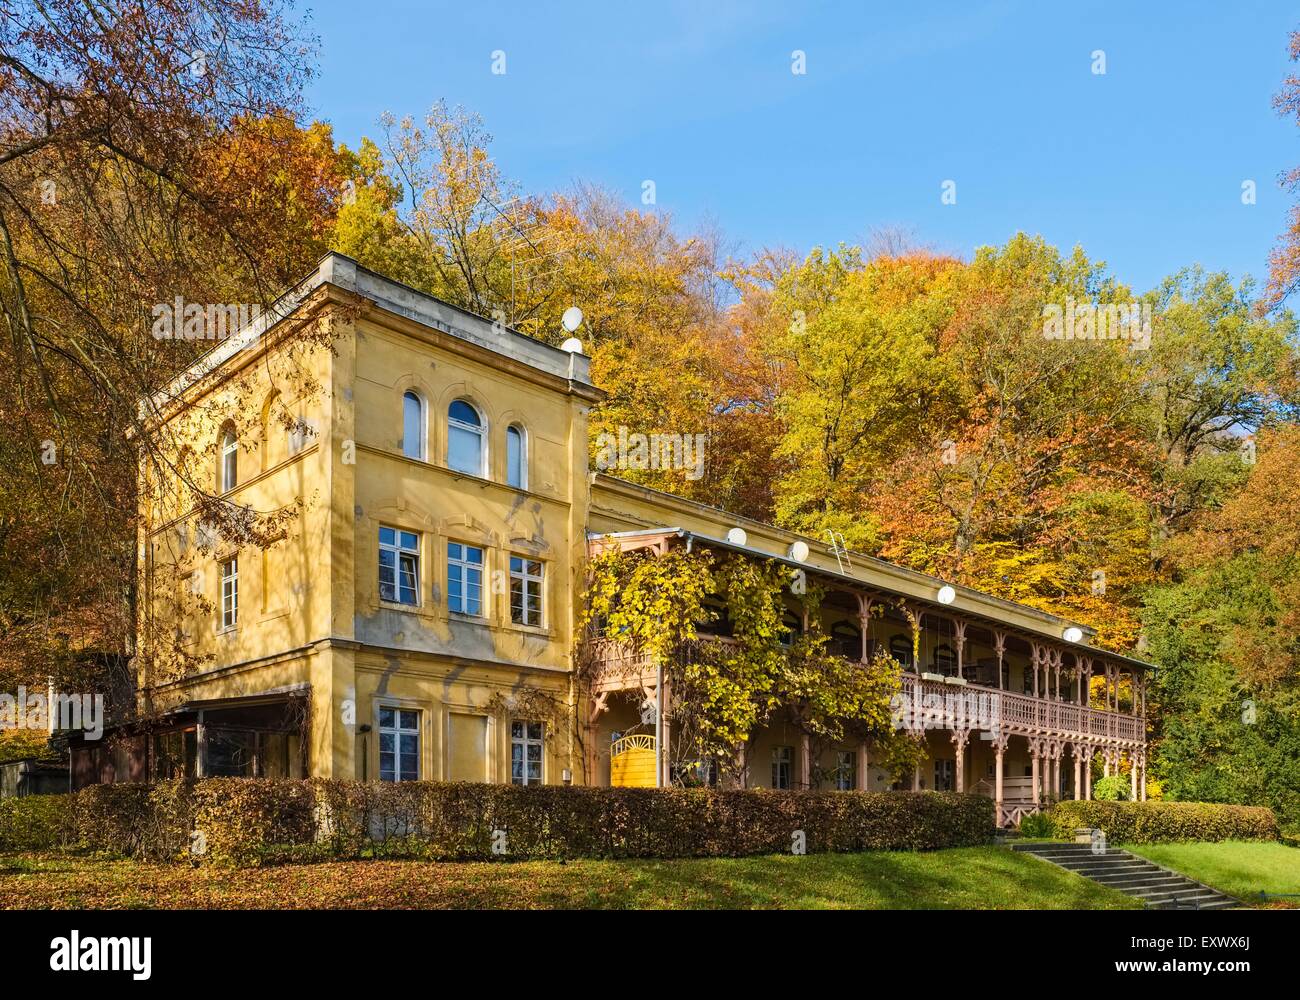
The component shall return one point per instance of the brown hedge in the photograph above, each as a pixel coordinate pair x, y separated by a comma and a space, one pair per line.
1161, 822
252, 821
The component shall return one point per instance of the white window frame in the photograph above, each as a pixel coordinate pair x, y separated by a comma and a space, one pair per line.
399, 551
782, 757
228, 574
229, 468
479, 431
519, 482
422, 431
397, 731
524, 741
463, 566
524, 578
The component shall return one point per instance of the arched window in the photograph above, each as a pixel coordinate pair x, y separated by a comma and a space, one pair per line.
465, 438
900, 648
229, 460
516, 457
412, 425
846, 640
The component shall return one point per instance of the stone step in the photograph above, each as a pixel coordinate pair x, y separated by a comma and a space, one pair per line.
1131, 875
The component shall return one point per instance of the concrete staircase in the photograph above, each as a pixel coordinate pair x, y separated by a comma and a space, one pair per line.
1158, 887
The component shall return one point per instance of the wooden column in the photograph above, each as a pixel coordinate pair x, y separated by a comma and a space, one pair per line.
864, 767
1000, 647
1034, 747
1087, 774
1133, 775
1078, 771
959, 739
665, 735
864, 623
1034, 658
805, 762
959, 640
999, 751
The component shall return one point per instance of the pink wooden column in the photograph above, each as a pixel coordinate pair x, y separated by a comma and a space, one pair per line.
999, 751
1035, 747
960, 737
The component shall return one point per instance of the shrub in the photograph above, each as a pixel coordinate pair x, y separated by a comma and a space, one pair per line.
255, 821
1111, 788
1037, 824
33, 823
1158, 822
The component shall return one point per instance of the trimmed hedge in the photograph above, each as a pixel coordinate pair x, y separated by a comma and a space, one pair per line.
1162, 822
244, 821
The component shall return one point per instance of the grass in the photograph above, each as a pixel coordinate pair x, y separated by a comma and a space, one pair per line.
963, 878
1239, 868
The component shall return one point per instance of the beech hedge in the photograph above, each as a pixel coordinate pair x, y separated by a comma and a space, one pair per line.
1165, 822
251, 821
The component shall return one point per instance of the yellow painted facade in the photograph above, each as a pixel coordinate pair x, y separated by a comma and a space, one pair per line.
326, 425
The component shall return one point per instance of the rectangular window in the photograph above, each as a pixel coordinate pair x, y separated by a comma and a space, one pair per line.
525, 591
943, 775
399, 566
399, 744
464, 579
846, 770
526, 753
229, 593
781, 758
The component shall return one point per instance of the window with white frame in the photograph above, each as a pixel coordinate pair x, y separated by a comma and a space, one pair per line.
846, 770
229, 593
465, 450
516, 458
464, 579
781, 760
526, 752
413, 433
399, 566
525, 591
229, 461
399, 744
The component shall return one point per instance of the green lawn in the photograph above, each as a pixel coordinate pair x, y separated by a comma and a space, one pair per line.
965, 878
1239, 868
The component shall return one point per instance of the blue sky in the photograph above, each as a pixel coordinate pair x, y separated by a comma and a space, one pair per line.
1142, 166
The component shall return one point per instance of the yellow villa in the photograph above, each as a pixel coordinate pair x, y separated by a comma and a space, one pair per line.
416, 616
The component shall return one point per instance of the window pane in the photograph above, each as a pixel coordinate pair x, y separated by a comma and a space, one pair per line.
410, 540
466, 414
516, 729
473, 555
534, 730
465, 450
453, 550
387, 536
412, 426
514, 457
516, 564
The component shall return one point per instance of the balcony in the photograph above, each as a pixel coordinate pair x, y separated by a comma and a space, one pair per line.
949, 703
975, 706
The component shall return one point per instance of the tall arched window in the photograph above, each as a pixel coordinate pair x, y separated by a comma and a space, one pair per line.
412, 425
516, 457
229, 460
465, 438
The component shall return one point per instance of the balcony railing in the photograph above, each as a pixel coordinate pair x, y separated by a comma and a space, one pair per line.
991, 708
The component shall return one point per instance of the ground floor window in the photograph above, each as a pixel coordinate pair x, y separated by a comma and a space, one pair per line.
399, 744
846, 770
781, 758
943, 773
525, 752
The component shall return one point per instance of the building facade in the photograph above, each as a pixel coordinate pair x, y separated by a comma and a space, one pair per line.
412, 615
